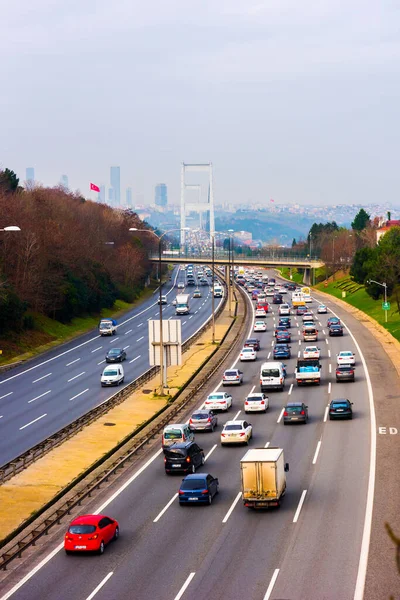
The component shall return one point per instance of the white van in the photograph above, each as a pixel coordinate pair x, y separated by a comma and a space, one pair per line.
218, 291
272, 376
173, 434
112, 375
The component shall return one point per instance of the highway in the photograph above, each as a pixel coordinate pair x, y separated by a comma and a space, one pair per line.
308, 549
43, 395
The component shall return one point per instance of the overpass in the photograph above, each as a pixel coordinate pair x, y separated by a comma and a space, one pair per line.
259, 259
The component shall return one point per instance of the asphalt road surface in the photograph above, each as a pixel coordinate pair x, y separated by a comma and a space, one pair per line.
45, 394
309, 549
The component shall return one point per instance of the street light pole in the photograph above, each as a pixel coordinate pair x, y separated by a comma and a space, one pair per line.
384, 285
212, 284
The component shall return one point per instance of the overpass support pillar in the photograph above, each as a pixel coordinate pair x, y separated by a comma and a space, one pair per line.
307, 276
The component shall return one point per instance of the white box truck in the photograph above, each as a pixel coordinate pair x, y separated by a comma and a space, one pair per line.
263, 475
218, 291
308, 370
182, 304
107, 327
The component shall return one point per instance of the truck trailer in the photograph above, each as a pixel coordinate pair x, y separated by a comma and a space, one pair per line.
263, 477
182, 304
308, 371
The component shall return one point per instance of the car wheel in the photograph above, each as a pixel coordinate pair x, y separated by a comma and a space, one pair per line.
330, 418
217, 490
212, 429
101, 548
116, 534
209, 499
203, 460
122, 380
193, 469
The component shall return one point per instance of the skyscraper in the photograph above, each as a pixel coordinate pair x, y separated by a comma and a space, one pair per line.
161, 197
115, 181
30, 175
111, 196
64, 181
129, 197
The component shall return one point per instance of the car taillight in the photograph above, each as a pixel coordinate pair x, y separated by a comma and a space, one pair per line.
223, 435
204, 491
93, 537
260, 381
281, 380
262, 402
242, 434
302, 412
246, 403
223, 377
165, 459
68, 537
285, 414
181, 492
209, 420
188, 459
190, 420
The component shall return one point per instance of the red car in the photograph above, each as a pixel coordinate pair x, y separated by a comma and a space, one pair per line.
263, 304
90, 533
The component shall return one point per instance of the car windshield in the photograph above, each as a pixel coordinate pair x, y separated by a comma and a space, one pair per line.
114, 351
255, 398
247, 350
215, 397
345, 369
193, 484
233, 427
174, 453
173, 434
199, 416
110, 372
82, 529
339, 405
270, 373
346, 354
293, 409
231, 373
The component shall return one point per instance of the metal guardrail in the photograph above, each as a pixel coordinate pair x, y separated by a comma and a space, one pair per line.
21, 462
43, 528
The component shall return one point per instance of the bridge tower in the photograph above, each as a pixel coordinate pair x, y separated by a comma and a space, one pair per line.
199, 206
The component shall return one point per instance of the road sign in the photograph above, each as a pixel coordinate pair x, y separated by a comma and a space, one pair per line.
385, 305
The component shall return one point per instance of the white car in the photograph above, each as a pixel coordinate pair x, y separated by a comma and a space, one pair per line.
322, 310
236, 432
308, 316
181, 285
307, 299
284, 309
282, 290
163, 300
260, 313
247, 354
311, 352
269, 292
260, 326
256, 402
346, 357
218, 401
261, 296
112, 375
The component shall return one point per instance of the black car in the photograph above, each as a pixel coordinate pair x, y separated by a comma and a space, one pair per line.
291, 287
282, 351
252, 343
285, 322
191, 282
340, 409
183, 457
115, 355
295, 412
335, 330
345, 373
277, 299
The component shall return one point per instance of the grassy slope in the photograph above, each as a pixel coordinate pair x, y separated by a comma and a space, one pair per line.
296, 277
49, 333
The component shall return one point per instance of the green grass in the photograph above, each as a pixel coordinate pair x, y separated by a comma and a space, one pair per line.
358, 297
296, 276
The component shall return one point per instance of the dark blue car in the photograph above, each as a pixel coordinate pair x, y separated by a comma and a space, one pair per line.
198, 488
282, 351
285, 322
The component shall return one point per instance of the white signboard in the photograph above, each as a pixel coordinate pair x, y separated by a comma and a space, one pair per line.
172, 342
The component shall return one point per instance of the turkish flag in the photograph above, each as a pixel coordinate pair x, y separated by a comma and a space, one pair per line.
94, 187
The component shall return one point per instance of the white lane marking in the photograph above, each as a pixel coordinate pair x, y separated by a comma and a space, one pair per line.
141, 338
114, 340
156, 314
290, 389
191, 316
34, 421
236, 416
298, 354
133, 359
72, 362
95, 350
37, 397
252, 389
329, 387
297, 513
267, 444
271, 585
185, 585
323, 331
129, 331
76, 376
329, 353
184, 322
326, 414
299, 342
228, 514
317, 452
126, 347
166, 507
40, 378
209, 453
195, 312
139, 325
80, 394
98, 588
298, 331
281, 415
269, 354
101, 362
327, 341
272, 343
319, 323
330, 368
5, 395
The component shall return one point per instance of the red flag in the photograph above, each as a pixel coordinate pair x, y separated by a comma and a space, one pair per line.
94, 187
272, 200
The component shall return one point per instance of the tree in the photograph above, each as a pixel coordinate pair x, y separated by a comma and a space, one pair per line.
294, 243
361, 264
361, 220
8, 181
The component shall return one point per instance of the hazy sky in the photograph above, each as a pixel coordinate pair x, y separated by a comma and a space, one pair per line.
298, 101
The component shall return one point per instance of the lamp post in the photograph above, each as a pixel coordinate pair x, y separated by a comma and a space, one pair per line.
230, 279
384, 285
163, 378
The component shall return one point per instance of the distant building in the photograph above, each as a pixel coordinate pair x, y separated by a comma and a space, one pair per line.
30, 175
102, 194
161, 195
111, 196
243, 236
129, 197
384, 228
64, 181
115, 181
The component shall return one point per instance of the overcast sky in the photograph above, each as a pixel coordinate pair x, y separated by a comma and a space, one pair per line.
296, 101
